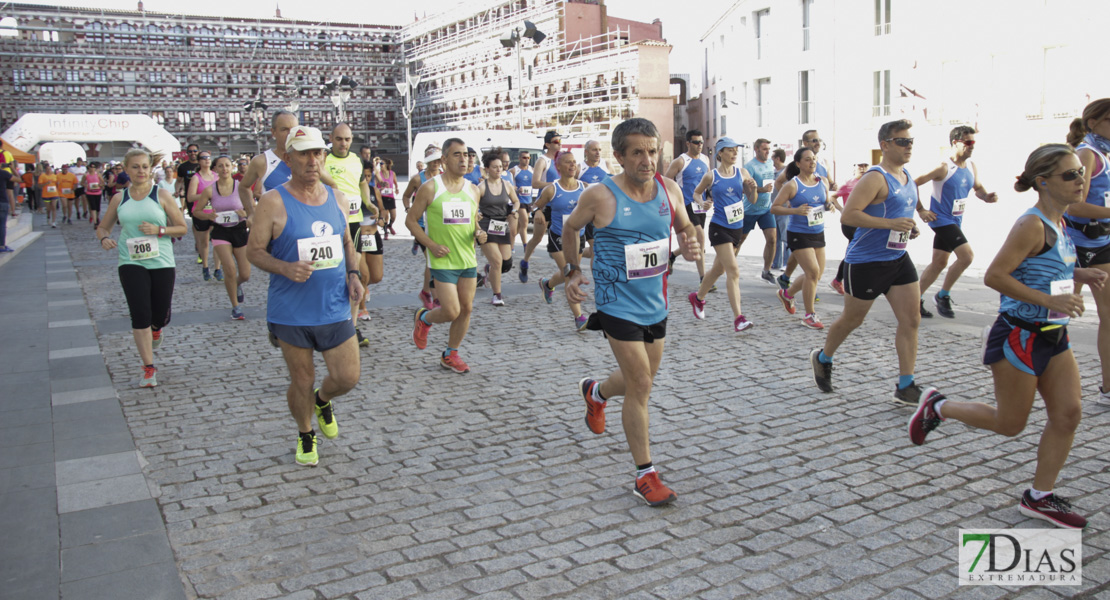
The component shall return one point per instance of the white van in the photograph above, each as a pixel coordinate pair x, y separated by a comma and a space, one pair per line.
481, 140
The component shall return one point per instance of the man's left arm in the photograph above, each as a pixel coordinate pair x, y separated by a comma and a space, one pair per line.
980, 191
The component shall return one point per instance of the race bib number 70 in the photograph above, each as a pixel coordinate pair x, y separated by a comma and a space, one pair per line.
647, 259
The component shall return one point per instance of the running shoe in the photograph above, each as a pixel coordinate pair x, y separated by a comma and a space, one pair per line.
497, 300
548, 294
420, 330
651, 490
414, 247
822, 372
483, 276
741, 323
784, 281
325, 418
6, 249
453, 362
1103, 396
837, 286
787, 303
911, 394
925, 418
69, 220
205, 273
53, 225
944, 306
218, 274
149, 378
391, 232
595, 411
200, 261
925, 314
239, 296
306, 450
523, 271
812, 322
698, 305
237, 313
768, 277
385, 234
426, 300
580, 323
1051, 508
362, 341
363, 314
155, 339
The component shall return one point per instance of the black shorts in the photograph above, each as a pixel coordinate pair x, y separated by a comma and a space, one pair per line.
698, 219
555, 243
948, 237
318, 337
1096, 255
590, 230
799, 241
201, 224
389, 202
723, 235
78, 192
626, 331
94, 202
848, 231
236, 235
355, 228
1028, 351
492, 238
867, 281
369, 243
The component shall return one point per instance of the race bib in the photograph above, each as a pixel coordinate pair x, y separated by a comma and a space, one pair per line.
353, 206
324, 252
526, 190
67, 190
51, 189
94, 186
142, 248
958, 206
387, 192
227, 217
816, 215
698, 210
456, 213
647, 259
734, 212
1055, 288
498, 227
369, 242
898, 240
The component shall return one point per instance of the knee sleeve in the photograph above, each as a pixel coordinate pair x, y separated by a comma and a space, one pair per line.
506, 265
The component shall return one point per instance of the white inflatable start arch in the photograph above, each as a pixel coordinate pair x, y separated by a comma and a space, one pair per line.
33, 128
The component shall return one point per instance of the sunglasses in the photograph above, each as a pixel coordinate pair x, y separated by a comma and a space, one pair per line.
968, 143
1072, 174
193, 151
205, 157
814, 141
903, 142
697, 142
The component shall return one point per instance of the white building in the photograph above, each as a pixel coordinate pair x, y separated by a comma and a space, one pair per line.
1015, 69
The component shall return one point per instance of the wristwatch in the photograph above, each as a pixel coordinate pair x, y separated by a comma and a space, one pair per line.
354, 272
570, 268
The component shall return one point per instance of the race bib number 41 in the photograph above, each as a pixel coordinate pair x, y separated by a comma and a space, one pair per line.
325, 252
647, 259
142, 247
456, 213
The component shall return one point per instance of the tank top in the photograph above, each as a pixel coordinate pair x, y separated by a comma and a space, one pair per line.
1050, 272
389, 183
552, 173
873, 245
346, 172
203, 184
308, 234
814, 196
762, 173
136, 247
94, 184
277, 172
589, 175
495, 206
951, 194
474, 176
1098, 193
630, 257
728, 199
225, 206
562, 204
523, 181
450, 218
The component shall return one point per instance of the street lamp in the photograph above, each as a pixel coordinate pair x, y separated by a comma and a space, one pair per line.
340, 89
257, 110
513, 39
407, 88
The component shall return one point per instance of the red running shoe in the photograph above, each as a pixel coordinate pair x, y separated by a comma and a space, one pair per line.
454, 362
595, 411
651, 490
420, 330
1051, 508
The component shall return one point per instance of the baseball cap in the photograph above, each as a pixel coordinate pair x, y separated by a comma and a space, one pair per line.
470, 150
725, 142
550, 135
304, 138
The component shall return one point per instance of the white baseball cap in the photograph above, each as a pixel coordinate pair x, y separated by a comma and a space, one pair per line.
304, 138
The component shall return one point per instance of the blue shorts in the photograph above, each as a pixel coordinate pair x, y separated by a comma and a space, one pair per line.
1029, 351
765, 221
453, 276
318, 337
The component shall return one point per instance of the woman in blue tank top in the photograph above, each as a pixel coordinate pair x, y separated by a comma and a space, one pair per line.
804, 200
1027, 347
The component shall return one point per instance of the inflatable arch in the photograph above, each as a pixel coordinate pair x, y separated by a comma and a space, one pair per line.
33, 128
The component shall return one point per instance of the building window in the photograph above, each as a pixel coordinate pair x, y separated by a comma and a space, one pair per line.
158, 91
881, 105
724, 129
18, 76
805, 78
100, 76
46, 74
882, 17
46, 89
183, 119
206, 78
807, 6
155, 77
761, 31
72, 76
159, 117
101, 89
209, 92
762, 101
73, 89
182, 78
209, 121
233, 120
713, 121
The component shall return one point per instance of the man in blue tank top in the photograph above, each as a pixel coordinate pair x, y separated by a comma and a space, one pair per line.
544, 174
632, 214
300, 236
759, 212
953, 181
687, 170
881, 207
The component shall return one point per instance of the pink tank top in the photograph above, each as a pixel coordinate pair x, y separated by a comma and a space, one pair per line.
203, 185
221, 203
389, 183
94, 184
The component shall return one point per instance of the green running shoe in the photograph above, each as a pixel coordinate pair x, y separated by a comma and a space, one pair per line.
306, 450
326, 419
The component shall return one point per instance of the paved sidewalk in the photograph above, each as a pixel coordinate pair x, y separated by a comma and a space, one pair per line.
489, 485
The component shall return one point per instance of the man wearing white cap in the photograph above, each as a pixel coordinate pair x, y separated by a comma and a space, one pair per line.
300, 237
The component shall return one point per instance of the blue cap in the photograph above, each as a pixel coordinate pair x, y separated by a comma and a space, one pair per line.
725, 142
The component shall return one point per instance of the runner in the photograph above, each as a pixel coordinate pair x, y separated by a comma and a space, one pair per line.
185, 172
450, 203
1027, 347
497, 200
67, 184
387, 184
434, 161
782, 253
370, 242
810, 140
688, 170
593, 169
474, 172
803, 200
633, 214
759, 213
270, 168
881, 208
148, 218
79, 171
545, 173
729, 185
300, 236
1088, 223
562, 196
93, 183
200, 181
522, 178
346, 170
953, 182
51, 197
220, 204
